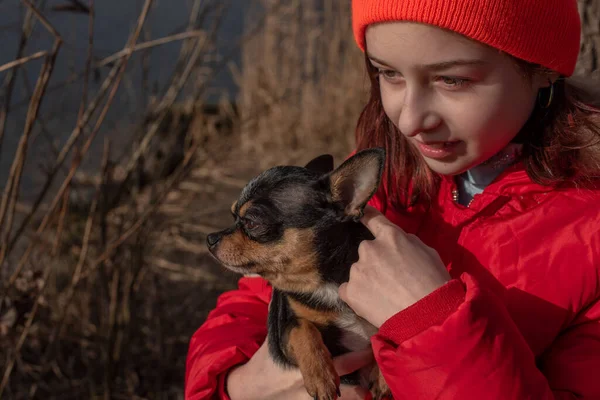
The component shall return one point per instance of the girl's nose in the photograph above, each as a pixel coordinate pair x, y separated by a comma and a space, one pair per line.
417, 115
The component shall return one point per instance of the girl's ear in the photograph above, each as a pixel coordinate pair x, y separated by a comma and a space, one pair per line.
321, 164
354, 182
545, 79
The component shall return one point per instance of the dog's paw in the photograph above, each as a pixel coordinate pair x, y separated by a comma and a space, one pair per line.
323, 383
381, 391
379, 388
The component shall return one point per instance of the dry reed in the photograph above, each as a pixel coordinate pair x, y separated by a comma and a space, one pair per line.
302, 83
98, 298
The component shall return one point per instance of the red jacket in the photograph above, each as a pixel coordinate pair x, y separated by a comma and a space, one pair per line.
519, 320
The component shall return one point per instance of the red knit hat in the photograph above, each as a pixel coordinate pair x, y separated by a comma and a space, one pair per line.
544, 32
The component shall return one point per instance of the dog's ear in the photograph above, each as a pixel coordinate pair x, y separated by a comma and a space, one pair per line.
355, 181
322, 164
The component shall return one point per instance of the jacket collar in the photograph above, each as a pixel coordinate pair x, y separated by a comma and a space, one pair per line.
513, 181
512, 185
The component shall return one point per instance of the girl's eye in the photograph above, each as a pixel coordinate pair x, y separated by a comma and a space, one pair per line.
389, 75
452, 81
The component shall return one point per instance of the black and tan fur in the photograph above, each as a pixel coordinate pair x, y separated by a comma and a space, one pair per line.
299, 228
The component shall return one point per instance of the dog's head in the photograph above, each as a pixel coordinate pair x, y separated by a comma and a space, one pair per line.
289, 221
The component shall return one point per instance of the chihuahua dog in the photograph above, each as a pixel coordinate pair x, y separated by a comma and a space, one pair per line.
299, 229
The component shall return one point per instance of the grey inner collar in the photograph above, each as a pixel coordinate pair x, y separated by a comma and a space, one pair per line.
475, 180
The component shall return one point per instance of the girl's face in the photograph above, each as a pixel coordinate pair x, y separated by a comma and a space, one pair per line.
457, 101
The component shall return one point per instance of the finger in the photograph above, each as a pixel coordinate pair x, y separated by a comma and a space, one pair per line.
374, 220
350, 362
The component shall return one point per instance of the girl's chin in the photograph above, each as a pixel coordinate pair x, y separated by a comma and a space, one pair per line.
450, 168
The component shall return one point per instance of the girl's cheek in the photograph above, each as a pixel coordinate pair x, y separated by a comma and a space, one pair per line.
392, 106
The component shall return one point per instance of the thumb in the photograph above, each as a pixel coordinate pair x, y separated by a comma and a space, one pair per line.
342, 291
350, 362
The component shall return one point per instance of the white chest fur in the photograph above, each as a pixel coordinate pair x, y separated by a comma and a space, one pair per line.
357, 331
327, 295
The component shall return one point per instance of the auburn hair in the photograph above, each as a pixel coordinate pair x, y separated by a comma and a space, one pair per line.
560, 143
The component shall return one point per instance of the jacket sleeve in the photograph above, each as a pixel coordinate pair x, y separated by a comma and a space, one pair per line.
459, 342
231, 334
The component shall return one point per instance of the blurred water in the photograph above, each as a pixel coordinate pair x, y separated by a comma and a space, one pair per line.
114, 21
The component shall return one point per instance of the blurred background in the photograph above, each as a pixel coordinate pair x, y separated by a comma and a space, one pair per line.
127, 129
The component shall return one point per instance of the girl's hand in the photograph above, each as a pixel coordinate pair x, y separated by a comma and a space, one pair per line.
261, 378
393, 271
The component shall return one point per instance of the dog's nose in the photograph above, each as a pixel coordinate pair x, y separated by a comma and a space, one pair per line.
213, 239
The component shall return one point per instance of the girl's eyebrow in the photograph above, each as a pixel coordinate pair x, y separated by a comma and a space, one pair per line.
376, 60
453, 63
439, 66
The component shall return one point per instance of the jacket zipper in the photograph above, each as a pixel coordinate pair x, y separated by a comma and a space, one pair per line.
455, 196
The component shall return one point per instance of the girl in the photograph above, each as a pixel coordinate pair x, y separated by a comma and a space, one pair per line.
484, 277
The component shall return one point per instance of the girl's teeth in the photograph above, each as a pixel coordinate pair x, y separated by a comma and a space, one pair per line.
438, 145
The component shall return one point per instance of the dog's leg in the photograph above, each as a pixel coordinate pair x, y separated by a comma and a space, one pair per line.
306, 348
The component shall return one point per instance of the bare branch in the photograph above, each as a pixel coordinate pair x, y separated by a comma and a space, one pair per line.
88, 62
22, 61
148, 44
164, 106
56, 331
43, 20
10, 195
82, 121
149, 211
9, 81
85, 147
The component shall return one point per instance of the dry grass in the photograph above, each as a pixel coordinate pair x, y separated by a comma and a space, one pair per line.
589, 57
303, 83
105, 274
89, 305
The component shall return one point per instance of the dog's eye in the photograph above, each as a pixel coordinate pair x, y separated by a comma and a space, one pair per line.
250, 224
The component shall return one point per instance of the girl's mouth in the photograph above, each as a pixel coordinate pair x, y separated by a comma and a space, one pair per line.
437, 150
